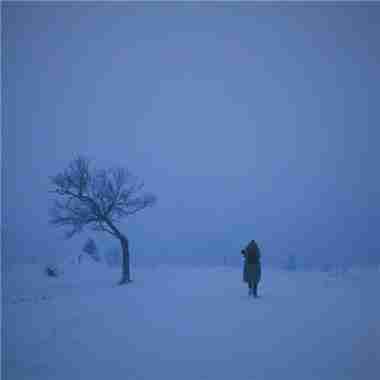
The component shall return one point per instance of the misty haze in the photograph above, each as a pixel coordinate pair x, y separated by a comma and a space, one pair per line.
190, 190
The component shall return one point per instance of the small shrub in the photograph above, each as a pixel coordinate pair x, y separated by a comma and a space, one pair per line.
92, 250
52, 271
326, 268
291, 264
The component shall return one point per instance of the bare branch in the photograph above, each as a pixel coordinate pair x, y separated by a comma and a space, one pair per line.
95, 198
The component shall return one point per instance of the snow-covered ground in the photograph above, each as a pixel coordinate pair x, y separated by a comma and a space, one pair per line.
189, 323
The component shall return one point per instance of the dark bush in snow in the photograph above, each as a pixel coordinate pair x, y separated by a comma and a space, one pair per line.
52, 271
326, 268
291, 264
91, 249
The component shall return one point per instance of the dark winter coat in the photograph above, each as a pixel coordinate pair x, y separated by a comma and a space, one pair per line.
252, 265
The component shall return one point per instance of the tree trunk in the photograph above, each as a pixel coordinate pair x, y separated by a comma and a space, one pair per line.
126, 272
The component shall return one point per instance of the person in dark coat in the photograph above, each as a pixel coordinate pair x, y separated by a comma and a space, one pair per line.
252, 267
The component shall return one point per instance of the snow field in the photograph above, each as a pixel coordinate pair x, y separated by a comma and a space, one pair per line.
191, 323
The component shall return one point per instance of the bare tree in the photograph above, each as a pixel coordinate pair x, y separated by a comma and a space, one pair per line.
98, 199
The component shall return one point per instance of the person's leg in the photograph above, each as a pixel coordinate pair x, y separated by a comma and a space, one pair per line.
249, 288
255, 290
